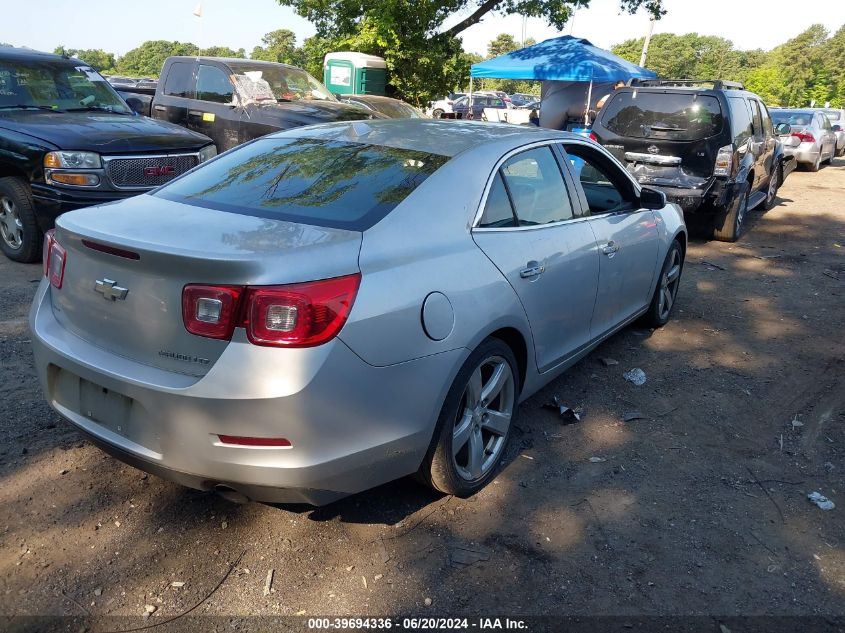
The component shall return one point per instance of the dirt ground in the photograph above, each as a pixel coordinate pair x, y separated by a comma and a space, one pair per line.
697, 508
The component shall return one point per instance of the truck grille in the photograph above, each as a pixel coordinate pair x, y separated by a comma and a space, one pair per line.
146, 172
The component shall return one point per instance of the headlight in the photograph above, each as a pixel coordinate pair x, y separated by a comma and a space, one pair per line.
72, 160
207, 153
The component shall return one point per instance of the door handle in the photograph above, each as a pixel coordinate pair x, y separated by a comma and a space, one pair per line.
610, 248
159, 108
533, 270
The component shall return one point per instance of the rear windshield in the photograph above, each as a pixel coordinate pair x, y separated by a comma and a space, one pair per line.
663, 115
312, 181
792, 117
833, 115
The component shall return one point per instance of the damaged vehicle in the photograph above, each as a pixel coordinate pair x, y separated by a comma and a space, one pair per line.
709, 145
67, 140
236, 100
264, 328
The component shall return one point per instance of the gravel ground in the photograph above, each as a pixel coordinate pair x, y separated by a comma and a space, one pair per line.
698, 508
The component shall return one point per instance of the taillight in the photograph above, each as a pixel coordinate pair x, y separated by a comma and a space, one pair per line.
54, 260
724, 161
295, 315
211, 311
49, 237
804, 137
299, 315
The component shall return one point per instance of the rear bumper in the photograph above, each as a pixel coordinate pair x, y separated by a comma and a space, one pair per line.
706, 199
805, 153
352, 426
51, 202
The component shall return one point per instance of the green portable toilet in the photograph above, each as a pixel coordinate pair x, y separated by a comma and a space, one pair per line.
354, 73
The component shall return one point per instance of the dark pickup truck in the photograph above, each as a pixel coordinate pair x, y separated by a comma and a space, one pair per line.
236, 100
67, 140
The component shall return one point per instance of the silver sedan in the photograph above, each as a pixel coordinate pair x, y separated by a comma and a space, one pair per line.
810, 137
330, 308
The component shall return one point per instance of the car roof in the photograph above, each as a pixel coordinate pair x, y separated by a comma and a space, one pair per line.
433, 136
27, 54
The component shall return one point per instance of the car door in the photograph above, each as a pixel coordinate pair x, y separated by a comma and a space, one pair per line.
172, 101
828, 136
530, 230
626, 236
770, 142
214, 112
758, 144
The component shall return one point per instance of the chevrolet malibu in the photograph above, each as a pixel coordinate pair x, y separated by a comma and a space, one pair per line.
329, 308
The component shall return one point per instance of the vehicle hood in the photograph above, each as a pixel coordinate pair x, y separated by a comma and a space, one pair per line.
296, 114
102, 132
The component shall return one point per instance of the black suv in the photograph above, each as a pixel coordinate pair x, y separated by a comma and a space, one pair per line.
709, 145
67, 140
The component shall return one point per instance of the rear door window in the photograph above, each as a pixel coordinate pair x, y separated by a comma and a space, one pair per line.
740, 120
312, 181
757, 121
663, 115
180, 80
767, 121
536, 188
213, 85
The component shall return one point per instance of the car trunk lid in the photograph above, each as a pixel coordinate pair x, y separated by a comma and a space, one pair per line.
152, 248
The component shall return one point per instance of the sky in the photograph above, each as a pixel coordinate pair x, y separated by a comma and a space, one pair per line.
120, 26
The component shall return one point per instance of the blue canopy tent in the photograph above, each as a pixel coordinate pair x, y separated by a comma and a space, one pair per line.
561, 59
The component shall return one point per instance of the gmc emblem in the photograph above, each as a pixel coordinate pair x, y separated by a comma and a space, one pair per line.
163, 170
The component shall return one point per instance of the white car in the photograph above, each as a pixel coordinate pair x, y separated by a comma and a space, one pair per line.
444, 106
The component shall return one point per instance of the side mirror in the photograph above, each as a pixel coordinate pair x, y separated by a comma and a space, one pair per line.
837, 128
783, 129
652, 198
136, 105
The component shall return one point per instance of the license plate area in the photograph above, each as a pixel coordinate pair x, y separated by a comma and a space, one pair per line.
105, 407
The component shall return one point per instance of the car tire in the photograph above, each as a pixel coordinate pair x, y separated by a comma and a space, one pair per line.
730, 221
20, 235
840, 152
815, 166
772, 187
829, 159
436, 114
666, 292
481, 429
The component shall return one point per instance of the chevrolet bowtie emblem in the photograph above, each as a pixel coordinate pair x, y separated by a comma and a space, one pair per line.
110, 290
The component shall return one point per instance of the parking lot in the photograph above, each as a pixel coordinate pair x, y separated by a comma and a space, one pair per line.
697, 504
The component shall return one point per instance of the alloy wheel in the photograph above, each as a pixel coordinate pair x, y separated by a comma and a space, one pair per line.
773, 185
11, 227
669, 285
483, 418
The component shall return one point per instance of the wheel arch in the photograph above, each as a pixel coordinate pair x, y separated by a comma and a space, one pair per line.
514, 339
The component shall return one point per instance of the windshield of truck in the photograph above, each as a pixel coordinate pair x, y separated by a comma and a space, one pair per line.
275, 82
663, 115
56, 85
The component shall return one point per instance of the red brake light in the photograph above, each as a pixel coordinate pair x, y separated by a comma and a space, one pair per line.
804, 137
295, 315
299, 315
49, 237
55, 265
593, 137
211, 311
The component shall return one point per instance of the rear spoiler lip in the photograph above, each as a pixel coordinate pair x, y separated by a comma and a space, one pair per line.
654, 159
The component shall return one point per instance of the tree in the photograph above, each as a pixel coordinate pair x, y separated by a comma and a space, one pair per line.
98, 59
421, 53
147, 59
223, 51
502, 44
279, 46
